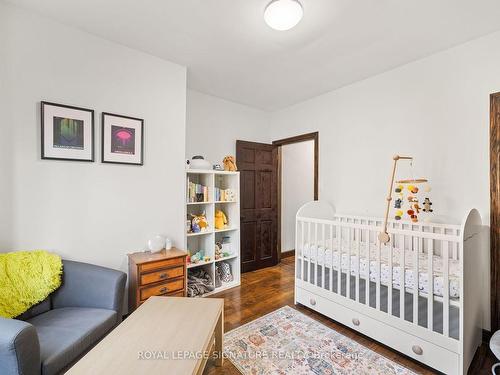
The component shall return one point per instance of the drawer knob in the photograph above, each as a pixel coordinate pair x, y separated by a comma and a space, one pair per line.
356, 321
163, 275
312, 301
163, 290
417, 350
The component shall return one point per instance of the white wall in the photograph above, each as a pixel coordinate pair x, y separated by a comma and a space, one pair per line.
5, 151
436, 109
297, 186
214, 125
91, 212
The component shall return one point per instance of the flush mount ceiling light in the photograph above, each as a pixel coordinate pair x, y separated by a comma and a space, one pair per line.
283, 14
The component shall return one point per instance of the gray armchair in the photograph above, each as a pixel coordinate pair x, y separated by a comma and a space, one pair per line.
51, 336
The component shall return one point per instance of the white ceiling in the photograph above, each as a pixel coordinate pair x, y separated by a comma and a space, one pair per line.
231, 53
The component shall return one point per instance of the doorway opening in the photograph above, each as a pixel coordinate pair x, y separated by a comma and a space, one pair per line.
298, 165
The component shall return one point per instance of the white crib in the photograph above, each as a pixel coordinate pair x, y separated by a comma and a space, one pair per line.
436, 320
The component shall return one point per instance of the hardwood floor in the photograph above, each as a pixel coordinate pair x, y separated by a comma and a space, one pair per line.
268, 289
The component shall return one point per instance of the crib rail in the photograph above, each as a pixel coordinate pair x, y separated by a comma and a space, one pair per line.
408, 278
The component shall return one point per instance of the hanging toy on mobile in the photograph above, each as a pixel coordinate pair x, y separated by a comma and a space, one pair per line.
399, 202
411, 200
427, 205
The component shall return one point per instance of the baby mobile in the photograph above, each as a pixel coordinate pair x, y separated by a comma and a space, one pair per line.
410, 201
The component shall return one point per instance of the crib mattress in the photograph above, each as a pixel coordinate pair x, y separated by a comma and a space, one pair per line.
320, 255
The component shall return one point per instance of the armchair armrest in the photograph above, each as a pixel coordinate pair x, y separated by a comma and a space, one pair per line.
88, 285
19, 348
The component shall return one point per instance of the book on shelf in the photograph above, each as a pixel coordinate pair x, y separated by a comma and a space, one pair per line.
224, 195
196, 192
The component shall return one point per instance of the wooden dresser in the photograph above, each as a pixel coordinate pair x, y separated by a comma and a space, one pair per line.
156, 274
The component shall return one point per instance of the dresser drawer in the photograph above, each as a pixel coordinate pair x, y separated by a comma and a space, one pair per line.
163, 288
164, 263
169, 273
179, 293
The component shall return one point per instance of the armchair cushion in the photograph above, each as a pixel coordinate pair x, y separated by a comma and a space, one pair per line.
67, 333
88, 285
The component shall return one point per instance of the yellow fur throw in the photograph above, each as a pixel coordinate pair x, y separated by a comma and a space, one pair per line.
27, 278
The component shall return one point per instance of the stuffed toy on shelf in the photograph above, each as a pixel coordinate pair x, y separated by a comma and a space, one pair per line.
220, 219
199, 223
230, 163
218, 251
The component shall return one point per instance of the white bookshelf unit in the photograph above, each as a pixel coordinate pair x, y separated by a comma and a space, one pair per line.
205, 240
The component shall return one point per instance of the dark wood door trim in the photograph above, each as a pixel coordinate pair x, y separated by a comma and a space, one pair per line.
278, 198
287, 141
495, 209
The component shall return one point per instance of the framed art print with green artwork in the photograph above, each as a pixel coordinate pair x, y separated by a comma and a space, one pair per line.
67, 132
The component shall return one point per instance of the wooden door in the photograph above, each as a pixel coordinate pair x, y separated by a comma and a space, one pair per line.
258, 166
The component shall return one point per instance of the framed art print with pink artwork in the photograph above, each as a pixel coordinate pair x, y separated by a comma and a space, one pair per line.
122, 139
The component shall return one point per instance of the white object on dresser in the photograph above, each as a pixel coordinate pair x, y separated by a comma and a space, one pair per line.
426, 322
205, 240
168, 244
156, 243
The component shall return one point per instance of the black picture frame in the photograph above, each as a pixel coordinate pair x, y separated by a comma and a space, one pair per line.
43, 155
103, 137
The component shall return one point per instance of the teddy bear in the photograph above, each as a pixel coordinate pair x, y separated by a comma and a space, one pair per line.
230, 163
220, 219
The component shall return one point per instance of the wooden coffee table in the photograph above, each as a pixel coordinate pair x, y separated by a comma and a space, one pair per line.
165, 335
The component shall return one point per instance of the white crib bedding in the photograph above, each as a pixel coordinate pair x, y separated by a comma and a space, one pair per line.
319, 255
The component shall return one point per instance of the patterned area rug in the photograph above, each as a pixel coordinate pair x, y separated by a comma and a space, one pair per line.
289, 342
